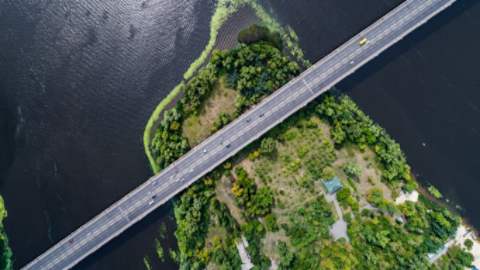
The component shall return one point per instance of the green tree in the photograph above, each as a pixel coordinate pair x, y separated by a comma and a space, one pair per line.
343, 194
291, 135
286, 256
328, 173
222, 120
271, 221
267, 145
227, 165
375, 195
468, 243
174, 125
347, 217
410, 186
352, 169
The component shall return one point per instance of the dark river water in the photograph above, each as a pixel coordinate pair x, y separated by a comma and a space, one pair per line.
79, 80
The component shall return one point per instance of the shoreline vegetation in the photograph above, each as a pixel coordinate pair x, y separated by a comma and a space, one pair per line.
223, 10
254, 71
270, 196
6, 257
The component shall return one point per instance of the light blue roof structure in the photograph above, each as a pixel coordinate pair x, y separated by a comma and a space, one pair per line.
333, 184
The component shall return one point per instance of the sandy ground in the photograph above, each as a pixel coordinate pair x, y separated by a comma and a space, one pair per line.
407, 197
459, 240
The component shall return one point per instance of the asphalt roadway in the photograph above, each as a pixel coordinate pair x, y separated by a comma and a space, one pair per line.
213, 151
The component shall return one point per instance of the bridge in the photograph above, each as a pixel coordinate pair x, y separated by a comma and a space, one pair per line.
212, 152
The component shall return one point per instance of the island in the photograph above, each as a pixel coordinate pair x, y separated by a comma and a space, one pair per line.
325, 189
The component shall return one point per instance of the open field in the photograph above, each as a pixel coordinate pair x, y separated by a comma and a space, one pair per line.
198, 127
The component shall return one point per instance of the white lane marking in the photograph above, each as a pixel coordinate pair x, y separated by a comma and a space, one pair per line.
124, 214
307, 86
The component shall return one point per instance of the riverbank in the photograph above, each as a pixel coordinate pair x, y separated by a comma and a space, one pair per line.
227, 40
225, 25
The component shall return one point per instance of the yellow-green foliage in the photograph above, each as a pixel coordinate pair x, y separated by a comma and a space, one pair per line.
6, 256
146, 261
155, 115
3, 211
222, 13
159, 249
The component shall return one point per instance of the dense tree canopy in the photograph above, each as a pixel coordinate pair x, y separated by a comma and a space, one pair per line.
350, 123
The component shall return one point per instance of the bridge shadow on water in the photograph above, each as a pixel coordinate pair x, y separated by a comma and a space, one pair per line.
407, 43
147, 230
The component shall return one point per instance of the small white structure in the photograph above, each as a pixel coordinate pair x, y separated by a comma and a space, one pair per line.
247, 264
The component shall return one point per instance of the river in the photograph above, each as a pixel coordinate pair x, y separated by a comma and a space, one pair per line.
79, 80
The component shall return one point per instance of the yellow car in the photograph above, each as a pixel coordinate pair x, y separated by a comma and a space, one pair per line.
362, 42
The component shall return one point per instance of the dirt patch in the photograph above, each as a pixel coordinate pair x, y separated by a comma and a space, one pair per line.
212, 233
270, 244
198, 128
223, 194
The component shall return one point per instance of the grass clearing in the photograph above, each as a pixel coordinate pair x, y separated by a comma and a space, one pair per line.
366, 160
198, 128
222, 191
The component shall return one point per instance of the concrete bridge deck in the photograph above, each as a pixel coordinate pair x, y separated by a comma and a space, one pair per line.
196, 163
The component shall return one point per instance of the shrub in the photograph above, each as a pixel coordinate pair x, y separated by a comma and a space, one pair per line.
281, 204
342, 240
435, 192
410, 186
353, 204
271, 221
395, 194
291, 135
372, 180
343, 194
350, 181
375, 195
352, 169
267, 145
468, 243
256, 33
365, 212
328, 173
312, 124
347, 217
